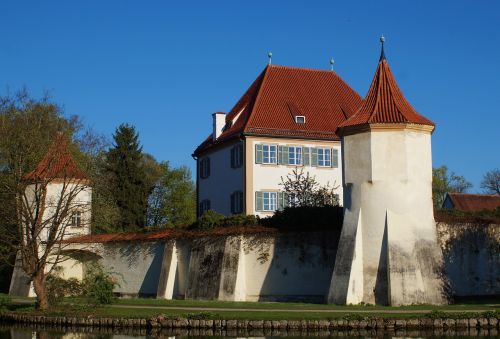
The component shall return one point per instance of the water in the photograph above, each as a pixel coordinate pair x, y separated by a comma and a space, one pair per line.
46, 332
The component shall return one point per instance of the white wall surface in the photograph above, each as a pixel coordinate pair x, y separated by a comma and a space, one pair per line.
268, 177
222, 182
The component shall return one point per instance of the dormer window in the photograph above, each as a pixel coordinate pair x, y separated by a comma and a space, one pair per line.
300, 119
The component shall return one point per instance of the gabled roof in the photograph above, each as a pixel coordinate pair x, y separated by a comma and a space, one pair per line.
473, 202
58, 163
385, 103
269, 106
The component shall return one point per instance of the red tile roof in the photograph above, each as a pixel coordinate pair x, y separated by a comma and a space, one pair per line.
58, 163
280, 93
169, 233
385, 103
474, 202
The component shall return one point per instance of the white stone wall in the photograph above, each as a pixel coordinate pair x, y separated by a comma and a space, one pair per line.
222, 182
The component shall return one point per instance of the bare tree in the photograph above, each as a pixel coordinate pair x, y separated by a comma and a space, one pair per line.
303, 190
491, 182
52, 203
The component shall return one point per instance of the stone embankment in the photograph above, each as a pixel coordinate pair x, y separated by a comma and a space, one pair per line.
159, 323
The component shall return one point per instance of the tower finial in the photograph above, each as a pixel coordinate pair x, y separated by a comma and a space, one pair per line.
382, 54
331, 63
270, 56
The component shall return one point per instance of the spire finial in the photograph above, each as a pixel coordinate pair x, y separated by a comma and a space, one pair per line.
331, 63
382, 54
270, 56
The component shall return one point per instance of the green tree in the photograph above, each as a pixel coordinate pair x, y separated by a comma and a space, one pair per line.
128, 178
303, 190
491, 182
27, 127
173, 199
444, 182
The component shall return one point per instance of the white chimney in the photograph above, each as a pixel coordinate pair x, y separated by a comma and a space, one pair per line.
219, 121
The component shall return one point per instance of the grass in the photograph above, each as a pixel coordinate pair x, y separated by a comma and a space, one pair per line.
143, 307
493, 304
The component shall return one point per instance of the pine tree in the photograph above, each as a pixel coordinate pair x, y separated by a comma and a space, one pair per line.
124, 162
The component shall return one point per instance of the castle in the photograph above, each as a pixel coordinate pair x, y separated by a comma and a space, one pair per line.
379, 152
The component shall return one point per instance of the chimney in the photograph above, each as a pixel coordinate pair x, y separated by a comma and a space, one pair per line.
219, 121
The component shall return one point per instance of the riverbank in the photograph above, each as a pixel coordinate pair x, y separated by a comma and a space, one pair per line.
201, 321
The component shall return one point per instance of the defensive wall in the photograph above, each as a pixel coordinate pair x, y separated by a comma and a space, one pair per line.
284, 266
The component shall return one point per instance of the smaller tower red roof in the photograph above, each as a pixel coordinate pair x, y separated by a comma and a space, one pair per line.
385, 103
58, 163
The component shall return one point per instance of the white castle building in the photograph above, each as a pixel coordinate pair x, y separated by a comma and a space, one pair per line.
377, 149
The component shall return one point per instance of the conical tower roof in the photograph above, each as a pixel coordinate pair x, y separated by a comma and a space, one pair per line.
385, 103
58, 163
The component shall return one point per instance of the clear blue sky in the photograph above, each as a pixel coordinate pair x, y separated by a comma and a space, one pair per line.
166, 66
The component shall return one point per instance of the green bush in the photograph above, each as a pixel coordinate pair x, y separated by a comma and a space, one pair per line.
5, 302
209, 219
305, 218
58, 288
98, 286
240, 220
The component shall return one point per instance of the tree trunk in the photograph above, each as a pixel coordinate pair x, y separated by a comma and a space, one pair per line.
40, 290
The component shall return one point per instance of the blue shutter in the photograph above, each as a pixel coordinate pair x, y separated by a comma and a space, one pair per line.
314, 156
335, 157
305, 156
259, 201
258, 154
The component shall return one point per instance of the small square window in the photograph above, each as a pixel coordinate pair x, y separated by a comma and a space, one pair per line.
300, 119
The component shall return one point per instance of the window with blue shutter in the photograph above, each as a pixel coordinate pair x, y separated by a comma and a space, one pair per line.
237, 156
205, 167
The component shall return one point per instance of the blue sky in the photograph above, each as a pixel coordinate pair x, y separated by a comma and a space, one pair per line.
166, 66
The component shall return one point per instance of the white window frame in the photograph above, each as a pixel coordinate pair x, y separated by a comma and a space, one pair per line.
272, 201
324, 157
296, 159
300, 117
76, 219
267, 152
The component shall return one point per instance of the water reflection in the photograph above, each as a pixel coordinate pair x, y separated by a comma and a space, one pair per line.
45, 332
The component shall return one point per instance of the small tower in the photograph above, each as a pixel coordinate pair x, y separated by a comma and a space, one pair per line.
388, 253
58, 192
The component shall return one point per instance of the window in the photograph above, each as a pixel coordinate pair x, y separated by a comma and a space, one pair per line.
324, 157
204, 206
294, 155
76, 219
300, 119
270, 201
237, 156
205, 168
265, 154
237, 202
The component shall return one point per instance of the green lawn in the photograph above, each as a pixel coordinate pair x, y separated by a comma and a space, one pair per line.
303, 306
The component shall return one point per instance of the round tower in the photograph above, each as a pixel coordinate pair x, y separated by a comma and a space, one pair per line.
388, 253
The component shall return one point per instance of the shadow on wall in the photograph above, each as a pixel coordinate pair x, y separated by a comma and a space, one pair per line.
300, 267
472, 259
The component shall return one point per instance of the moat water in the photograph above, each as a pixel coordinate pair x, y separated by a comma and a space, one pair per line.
28, 332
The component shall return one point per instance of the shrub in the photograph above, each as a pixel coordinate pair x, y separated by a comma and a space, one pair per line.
5, 302
58, 288
209, 219
98, 286
306, 218
240, 220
